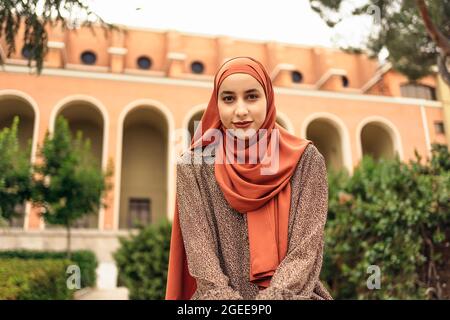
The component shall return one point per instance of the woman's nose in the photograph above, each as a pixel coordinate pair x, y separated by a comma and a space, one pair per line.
241, 109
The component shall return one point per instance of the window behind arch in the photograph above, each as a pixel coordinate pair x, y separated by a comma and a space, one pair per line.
420, 91
139, 212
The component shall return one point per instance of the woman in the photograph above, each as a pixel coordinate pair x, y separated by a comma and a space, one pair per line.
251, 227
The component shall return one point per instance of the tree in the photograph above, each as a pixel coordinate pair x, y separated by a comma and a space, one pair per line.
416, 33
15, 172
37, 16
69, 183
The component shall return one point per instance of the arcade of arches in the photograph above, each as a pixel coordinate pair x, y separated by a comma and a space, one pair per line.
144, 154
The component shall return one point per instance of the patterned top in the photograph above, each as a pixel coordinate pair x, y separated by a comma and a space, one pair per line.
216, 241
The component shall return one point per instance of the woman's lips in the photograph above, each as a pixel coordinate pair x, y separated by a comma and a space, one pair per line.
243, 124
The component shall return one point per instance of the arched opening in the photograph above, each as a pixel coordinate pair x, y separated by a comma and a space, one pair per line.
193, 123
144, 165
87, 118
376, 141
325, 136
11, 107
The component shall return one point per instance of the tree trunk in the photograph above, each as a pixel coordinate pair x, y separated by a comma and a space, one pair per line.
442, 66
69, 252
439, 39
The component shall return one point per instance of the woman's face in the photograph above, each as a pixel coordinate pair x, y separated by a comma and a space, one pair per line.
241, 99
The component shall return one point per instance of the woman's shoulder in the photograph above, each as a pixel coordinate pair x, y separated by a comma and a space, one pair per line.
311, 157
201, 156
185, 158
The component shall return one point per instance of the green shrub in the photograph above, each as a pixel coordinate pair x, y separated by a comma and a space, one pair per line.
43, 279
142, 261
393, 215
85, 259
15, 172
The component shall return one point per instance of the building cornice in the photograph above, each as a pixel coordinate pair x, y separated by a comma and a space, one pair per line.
209, 85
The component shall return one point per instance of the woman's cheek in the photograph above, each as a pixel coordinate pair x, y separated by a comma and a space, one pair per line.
259, 116
222, 115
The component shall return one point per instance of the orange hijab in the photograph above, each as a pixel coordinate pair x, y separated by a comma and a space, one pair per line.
264, 198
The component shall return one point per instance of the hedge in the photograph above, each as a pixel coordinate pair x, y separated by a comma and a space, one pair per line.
42, 279
85, 259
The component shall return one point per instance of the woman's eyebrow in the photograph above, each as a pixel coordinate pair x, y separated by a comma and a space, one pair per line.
247, 91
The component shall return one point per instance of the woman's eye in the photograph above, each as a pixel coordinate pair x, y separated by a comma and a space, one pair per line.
253, 96
228, 99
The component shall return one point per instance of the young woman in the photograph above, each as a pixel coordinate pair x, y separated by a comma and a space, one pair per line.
246, 229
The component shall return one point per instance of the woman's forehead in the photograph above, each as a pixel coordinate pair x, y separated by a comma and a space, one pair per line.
239, 82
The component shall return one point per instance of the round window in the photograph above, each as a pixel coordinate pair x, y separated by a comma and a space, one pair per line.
297, 76
144, 62
344, 81
197, 67
88, 57
27, 52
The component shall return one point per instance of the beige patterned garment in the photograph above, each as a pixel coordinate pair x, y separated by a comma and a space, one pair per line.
216, 239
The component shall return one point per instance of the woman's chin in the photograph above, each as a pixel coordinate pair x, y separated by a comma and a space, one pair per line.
247, 137
243, 134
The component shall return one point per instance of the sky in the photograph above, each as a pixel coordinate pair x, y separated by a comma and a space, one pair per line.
287, 21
